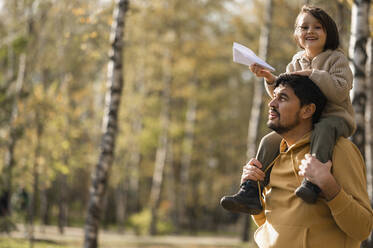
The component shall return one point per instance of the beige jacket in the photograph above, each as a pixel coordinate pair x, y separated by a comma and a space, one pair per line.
289, 222
331, 72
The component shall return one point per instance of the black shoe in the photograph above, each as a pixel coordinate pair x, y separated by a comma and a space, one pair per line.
308, 191
246, 200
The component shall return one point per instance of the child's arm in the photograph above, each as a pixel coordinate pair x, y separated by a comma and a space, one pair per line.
270, 79
260, 71
335, 78
335, 83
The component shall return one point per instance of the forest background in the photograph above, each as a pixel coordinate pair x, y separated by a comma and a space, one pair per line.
186, 109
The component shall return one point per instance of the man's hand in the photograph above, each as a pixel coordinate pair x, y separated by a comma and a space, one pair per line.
252, 171
260, 71
319, 173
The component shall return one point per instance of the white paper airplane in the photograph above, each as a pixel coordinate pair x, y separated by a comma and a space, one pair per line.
245, 56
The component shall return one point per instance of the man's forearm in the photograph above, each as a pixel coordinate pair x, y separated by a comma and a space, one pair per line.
329, 187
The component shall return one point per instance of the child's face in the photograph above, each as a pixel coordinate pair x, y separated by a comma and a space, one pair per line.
310, 34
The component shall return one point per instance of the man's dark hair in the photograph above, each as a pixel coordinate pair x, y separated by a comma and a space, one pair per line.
306, 90
329, 25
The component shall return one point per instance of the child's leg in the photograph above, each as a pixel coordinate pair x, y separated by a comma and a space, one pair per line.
325, 135
247, 199
323, 139
268, 150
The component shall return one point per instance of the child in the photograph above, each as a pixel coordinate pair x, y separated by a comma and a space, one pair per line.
326, 65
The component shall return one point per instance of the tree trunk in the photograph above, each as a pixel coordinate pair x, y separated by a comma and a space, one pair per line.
45, 208
100, 176
121, 194
369, 137
6, 192
10, 69
359, 37
62, 204
134, 166
186, 158
255, 117
161, 155
35, 172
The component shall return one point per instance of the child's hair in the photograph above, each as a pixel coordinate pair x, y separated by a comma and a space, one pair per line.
330, 27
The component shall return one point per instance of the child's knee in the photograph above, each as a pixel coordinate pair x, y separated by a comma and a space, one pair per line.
271, 139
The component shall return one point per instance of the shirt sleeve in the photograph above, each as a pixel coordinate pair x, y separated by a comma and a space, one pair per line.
335, 83
351, 208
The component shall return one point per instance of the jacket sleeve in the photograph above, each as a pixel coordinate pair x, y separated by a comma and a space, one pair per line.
335, 83
351, 208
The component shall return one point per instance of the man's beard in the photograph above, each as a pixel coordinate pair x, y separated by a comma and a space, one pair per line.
281, 129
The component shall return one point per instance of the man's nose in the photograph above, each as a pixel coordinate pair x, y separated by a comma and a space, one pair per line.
272, 103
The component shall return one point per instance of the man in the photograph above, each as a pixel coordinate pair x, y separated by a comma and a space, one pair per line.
342, 216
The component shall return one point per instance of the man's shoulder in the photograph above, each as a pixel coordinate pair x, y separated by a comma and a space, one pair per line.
345, 147
345, 143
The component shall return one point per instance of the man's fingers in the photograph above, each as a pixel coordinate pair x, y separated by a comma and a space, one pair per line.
258, 173
255, 162
253, 173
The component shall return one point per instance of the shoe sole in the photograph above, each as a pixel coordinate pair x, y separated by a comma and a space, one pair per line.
239, 208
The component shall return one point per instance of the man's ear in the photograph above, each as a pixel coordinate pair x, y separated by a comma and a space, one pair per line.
308, 110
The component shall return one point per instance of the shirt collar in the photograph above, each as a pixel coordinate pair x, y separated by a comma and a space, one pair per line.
301, 142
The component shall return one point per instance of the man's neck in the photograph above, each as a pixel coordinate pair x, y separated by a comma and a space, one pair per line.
293, 136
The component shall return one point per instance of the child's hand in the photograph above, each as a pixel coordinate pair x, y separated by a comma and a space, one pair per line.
260, 71
302, 73
252, 171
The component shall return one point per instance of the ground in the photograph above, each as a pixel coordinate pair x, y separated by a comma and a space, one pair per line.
49, 237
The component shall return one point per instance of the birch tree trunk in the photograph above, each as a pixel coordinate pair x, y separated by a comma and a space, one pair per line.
161, 155
359, 36
357, 52
100, 176
368, 134
257, 105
